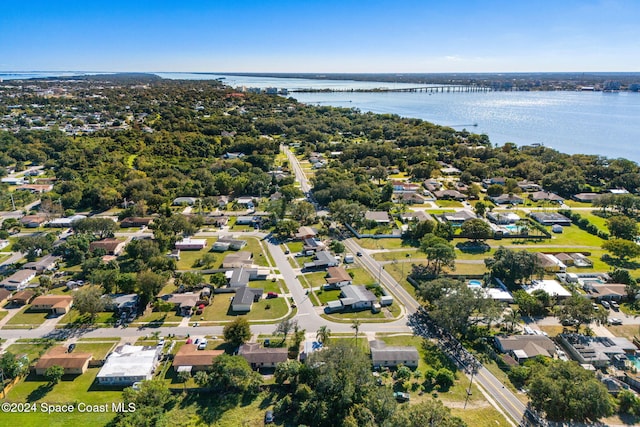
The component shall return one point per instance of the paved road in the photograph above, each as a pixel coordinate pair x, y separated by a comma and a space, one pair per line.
297, 169
499, 394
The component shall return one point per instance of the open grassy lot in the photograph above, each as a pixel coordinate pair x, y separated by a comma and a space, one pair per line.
448, 204
188, 258
27, 317
98, 349
3, 313
398, 255
573, 235
362, 276
74, 318
220, 309
76, 388
160, 318
626, 331
383, 243
32, 350
294, 247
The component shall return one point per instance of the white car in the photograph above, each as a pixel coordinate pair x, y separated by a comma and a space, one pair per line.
202, 345
615, 321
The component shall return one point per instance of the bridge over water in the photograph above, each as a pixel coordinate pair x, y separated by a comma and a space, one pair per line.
430, 89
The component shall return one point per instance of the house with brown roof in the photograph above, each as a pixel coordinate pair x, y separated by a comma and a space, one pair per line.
305, 232
110, 245
4, 295
22, 297
237, 259
523, 347
261, 357
33, 221
56, 304
381, 217
190, 359
73, 363
546, 197
184, 303
450, 195
337, 277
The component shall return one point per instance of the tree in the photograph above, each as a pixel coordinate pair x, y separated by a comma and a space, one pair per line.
512, 266
429, 413
288, 372
347, 212
304, 212
88, 300
480, 209
151, 400
495, 190
237, 332
233, 374
286, 228
629, 403
621, 248
444, 379
564, 391
218, 280
201, 378
34, 246
285, 327
476, 230
11, 366
323, 334
149, 284
337, 246
99, 227
576, 309
511, 319
440, 253
54, 374
356, 326
528, 304
623, 227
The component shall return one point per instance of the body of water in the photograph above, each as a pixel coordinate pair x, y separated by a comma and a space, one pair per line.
607, 124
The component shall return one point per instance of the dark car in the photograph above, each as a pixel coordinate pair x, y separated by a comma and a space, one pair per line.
268, 417
359, 253
71, 348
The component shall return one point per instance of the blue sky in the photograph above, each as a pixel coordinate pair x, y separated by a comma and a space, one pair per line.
321, 36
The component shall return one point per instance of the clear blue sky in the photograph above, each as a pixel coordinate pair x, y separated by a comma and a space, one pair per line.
321, 36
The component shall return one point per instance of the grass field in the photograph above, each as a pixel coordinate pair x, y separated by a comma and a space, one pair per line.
27, 317
74, 318
99, 350
3, 313
160, 317
220, 310
32, 350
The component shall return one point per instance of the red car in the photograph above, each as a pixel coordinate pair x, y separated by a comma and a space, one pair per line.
271, 295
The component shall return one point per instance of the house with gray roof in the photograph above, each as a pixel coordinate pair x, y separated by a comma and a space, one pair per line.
523, 347
355, 297
323, 259
263, 357
507, 199
381, 217
245, 297
241, 276
383, 355
597, 351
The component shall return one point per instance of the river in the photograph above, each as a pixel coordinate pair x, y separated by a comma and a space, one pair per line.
600, 123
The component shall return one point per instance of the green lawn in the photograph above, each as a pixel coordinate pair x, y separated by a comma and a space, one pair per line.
220, 310
449, 204
188, 258
74, 318
80, 388
159, 318
3, 313
27, 317
294, 247
362, 276
573, 235
32, 350
326, 296
267, 285
315, 279
382, 243
398, 255
98, 349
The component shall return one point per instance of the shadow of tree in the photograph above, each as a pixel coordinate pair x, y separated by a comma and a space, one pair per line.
39, 393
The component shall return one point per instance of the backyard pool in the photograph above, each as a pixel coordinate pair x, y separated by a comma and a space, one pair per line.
475, 283
635, 360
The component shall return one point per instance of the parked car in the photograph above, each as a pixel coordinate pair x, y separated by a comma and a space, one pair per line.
268, 417
271, 295
615, 321
287, 252
614, 305
401, 397
202, 345
569, 322
71, 348
605, 304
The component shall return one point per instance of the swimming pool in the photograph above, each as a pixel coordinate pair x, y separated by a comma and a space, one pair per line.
635, 360
511, 228
475, 283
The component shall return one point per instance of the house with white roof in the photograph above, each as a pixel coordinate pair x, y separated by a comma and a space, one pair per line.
129, 364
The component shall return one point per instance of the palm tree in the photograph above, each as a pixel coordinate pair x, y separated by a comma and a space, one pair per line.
356, 325
322, 336
512, 318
